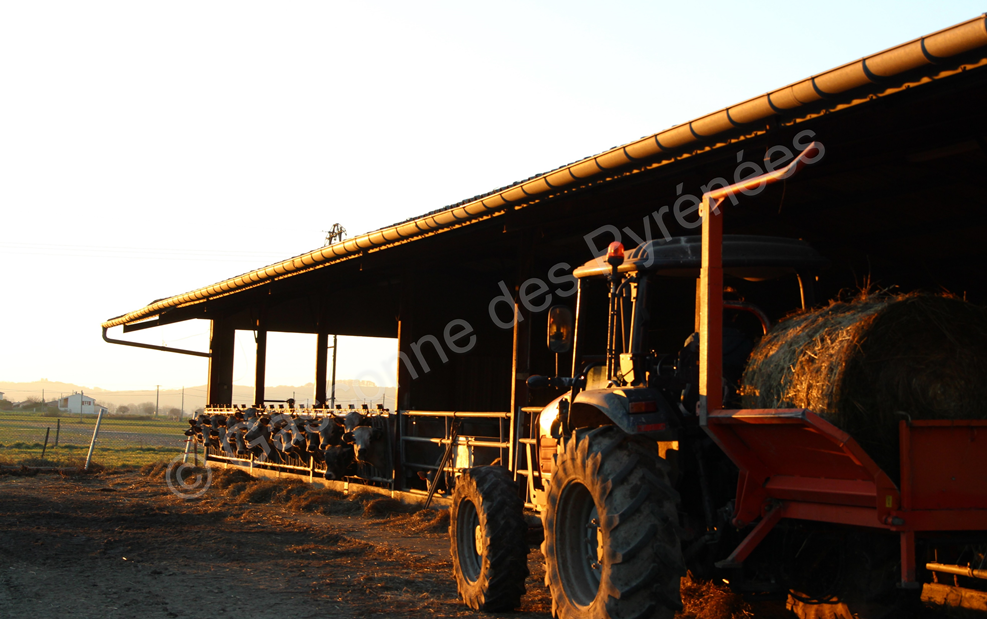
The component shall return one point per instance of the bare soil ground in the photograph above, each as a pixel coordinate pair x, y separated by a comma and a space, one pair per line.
121, 544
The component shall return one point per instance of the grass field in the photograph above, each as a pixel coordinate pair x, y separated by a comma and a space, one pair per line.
71, 455
121, 441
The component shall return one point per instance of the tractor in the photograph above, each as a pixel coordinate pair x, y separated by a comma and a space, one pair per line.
645, 466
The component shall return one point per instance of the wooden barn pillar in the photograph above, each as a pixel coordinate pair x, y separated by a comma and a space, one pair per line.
260, 335
405, 335
219, 388
321, 368
403, 396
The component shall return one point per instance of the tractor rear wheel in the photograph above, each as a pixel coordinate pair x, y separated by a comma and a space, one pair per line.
611, 543
488, 535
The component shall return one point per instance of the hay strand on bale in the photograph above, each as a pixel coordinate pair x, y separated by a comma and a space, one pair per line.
867, 363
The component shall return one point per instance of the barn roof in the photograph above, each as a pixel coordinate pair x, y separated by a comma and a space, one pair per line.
930, 58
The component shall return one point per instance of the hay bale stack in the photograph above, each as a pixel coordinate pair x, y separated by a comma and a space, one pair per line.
861, 363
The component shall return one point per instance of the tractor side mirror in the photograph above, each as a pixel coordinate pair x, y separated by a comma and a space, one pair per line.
560, 329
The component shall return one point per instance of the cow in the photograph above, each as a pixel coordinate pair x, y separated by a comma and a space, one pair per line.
234, 437
340, 461
351, 420
321, 434
258, 439
293, 440
330, 432
312, 440
199, 429
280, 433
193, 429
370, 447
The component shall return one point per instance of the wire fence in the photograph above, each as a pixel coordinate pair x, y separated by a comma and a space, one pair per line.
63, 439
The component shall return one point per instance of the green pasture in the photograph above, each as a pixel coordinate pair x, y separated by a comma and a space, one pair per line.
122, 441
72, 455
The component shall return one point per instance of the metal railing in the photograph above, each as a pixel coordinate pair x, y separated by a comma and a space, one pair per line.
416, 439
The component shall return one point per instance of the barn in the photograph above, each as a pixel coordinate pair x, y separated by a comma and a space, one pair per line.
895, 198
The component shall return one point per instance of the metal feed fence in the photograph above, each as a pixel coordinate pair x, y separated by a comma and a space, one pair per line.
364, 473
48, 439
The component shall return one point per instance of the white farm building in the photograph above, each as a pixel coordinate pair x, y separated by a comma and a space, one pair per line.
80, 404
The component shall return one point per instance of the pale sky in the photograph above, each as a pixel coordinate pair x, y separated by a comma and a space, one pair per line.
150, 148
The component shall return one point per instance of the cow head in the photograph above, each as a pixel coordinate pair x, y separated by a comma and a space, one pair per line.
370, 447
330, 433
351, 420
340, 461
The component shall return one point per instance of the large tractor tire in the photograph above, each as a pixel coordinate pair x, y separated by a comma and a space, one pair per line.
489, 539
611, 530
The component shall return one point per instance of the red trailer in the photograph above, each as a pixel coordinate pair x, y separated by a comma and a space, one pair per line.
794, 464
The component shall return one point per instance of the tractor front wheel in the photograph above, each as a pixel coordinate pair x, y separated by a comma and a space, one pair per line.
611, 544
488, 535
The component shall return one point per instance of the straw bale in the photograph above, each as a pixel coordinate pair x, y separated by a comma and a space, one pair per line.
867, 363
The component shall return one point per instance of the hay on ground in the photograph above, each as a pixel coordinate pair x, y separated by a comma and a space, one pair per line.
704, 599
224, 478
382, 507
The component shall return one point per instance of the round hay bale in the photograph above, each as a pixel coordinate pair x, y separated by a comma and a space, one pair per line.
865, 364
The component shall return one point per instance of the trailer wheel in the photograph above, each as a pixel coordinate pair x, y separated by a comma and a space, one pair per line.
488, 535
611, 543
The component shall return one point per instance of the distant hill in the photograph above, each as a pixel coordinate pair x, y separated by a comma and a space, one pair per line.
347, 392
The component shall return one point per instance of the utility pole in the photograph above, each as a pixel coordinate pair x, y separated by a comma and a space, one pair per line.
182, 416
334, 234
157, 398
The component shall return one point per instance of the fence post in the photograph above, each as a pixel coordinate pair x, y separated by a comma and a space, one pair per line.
45, 448
92, 443
58, 428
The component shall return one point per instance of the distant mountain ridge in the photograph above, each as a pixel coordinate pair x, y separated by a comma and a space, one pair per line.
347, 392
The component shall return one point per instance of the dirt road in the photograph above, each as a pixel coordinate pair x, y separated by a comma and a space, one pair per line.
120, 545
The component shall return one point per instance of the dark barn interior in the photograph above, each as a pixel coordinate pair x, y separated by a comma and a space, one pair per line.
897, 199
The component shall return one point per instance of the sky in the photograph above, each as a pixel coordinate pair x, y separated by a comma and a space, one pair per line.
150, 148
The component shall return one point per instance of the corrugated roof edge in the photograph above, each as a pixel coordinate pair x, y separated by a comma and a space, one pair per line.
927, 50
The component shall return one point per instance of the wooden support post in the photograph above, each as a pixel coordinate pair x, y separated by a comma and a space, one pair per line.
321, 368
219, 390
260, 370
405, 339
403, 400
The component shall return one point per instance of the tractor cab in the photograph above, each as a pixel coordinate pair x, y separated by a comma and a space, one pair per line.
651, 305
